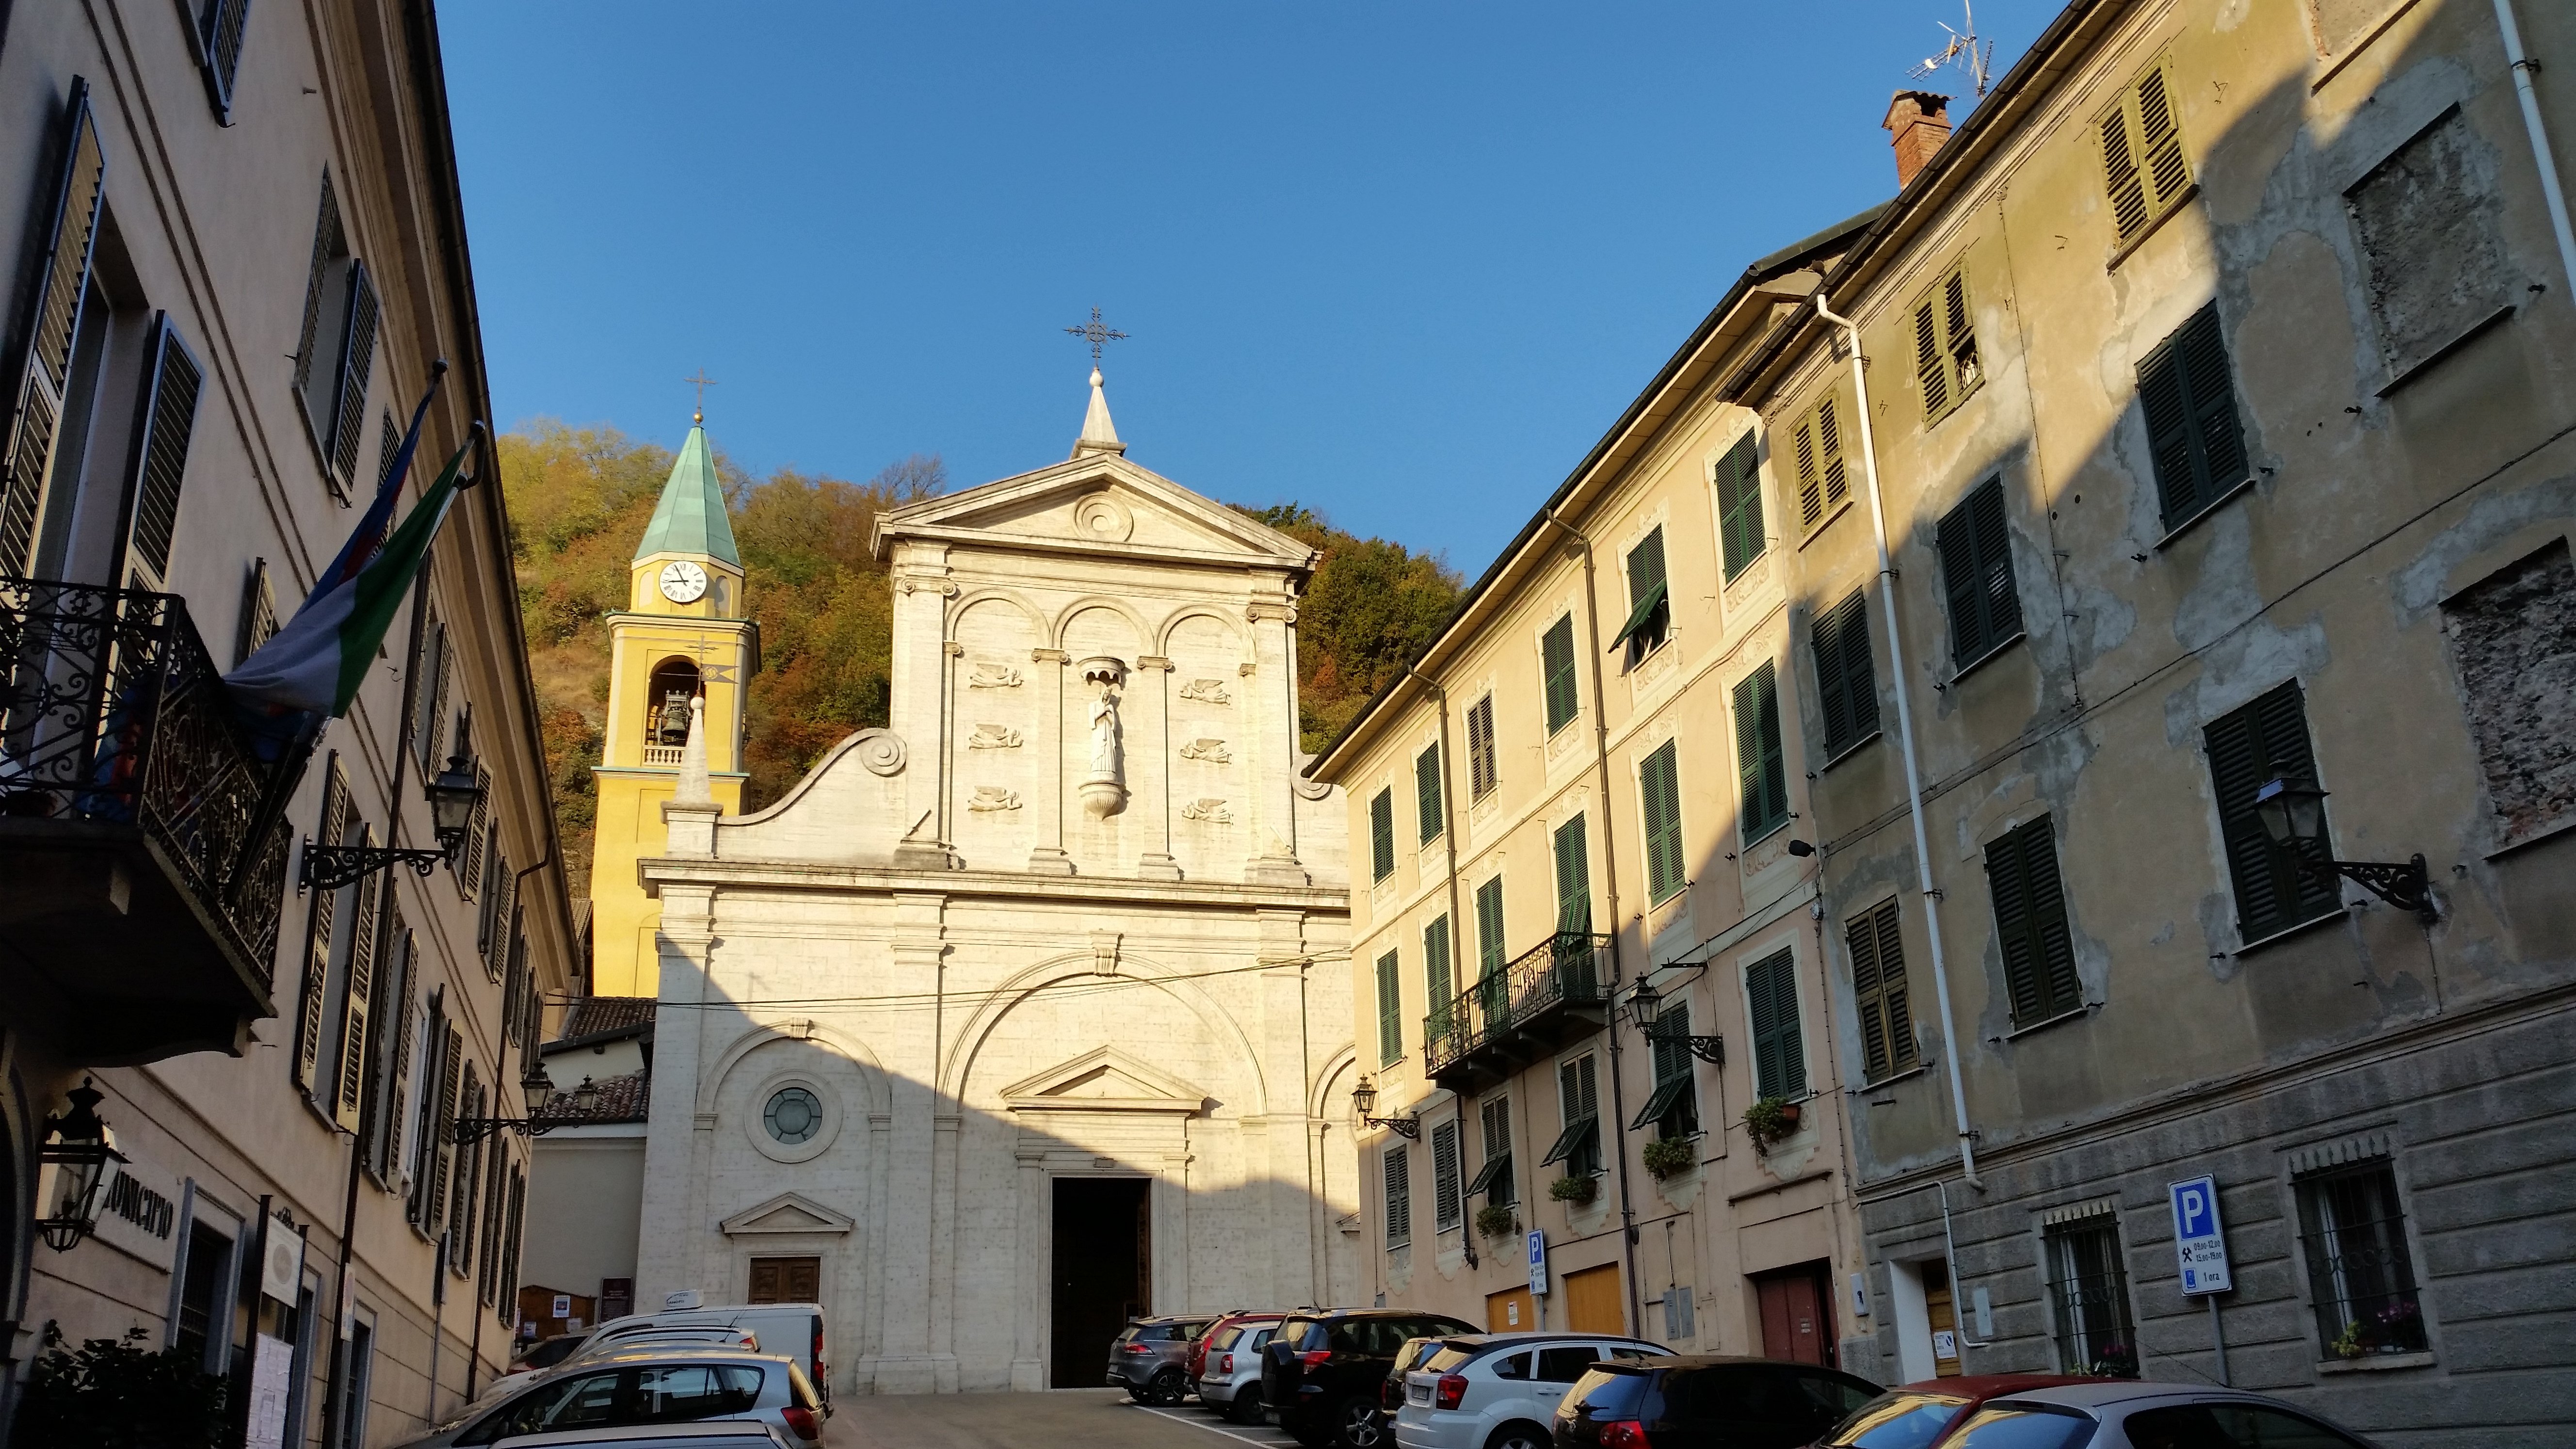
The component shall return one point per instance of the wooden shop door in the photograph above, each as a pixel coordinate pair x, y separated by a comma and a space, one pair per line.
786, 1280
1796, 1315
1592, 1301
1515, 1311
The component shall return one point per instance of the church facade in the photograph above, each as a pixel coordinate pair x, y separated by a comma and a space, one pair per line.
1029, 1011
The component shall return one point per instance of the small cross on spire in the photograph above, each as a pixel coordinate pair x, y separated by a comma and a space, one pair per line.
1097, 333
703, 383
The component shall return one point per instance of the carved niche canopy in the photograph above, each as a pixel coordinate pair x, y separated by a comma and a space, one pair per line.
789, 1212
1105, 1079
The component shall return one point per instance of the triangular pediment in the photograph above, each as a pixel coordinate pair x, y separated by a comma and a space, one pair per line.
1100, 504
789, 1212
1104, 1079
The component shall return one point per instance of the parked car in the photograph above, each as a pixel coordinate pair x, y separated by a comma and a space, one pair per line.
1409, 1356
2110, 1413
795, 1329
1321, 1372
1922, 1415
646, 1386
1500, 1390
1224, 1321
710, 1334
1150, 1358
718, 1435
1229, 1381
1705, 1401
545, 1353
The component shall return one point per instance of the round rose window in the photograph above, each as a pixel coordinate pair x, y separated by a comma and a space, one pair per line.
793, 1116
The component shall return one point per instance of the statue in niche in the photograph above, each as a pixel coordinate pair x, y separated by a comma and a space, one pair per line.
1104, 737
1104, 786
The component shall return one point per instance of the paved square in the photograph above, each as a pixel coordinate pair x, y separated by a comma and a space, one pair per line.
1057, 1419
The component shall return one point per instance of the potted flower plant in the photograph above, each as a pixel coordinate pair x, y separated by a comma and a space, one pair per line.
1576, 1190
1667, 1157
1769, 1120
1497, 1220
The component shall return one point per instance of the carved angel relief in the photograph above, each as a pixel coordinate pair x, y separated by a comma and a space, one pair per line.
1207, 691
1209, 809
989, 798
1212, 751
993, 676
993, 737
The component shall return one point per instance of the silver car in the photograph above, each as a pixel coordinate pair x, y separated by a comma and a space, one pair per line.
1500, 1390
2116, 1415
644, 1386
1229, 1380
1150, 1358
722, 1434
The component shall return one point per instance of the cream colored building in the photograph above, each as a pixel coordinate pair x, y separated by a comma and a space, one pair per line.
237, 237
1026, 1012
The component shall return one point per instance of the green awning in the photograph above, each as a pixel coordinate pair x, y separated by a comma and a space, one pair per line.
1576, 1134
1645, 610
1497, 1166
1667, 1092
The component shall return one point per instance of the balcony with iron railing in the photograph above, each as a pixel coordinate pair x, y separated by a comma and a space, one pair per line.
144, 886
1521, 1012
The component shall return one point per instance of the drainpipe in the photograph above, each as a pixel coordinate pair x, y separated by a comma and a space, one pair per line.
1457, 925
1610, 887
1913, 773
2524, 67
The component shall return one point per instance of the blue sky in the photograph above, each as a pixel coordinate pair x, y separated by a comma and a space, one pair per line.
1403, 262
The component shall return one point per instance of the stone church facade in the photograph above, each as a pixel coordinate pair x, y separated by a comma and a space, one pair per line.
1028, 1011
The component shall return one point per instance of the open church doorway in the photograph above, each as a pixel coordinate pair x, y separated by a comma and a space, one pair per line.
1104, 1273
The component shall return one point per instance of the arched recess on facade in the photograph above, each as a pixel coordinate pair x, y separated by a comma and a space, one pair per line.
994, 599
1060, 630
1164, 642
667, 692
1003, 999
850, 1047
1319, 1092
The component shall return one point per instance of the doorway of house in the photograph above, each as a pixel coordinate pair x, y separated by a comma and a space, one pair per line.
1104, 1273
1593, 1301
786, 1280
1797, 1314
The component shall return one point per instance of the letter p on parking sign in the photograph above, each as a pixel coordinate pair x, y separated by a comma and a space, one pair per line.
2199, 1242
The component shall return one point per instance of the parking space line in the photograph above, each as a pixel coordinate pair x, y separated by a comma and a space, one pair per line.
1179, 1418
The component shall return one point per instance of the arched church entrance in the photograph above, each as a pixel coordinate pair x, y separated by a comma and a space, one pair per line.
1103, 1273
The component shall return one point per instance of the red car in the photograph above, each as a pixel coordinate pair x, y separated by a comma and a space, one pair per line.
1197, 1365
1922, 1415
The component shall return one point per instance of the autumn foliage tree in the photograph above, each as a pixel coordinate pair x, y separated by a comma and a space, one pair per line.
1368, 611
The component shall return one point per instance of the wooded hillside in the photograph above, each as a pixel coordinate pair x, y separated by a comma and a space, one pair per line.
580, 497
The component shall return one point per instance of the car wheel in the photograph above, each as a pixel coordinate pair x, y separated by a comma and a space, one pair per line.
1519, 1436
1359, 1425
1167, 1387
1246, 1405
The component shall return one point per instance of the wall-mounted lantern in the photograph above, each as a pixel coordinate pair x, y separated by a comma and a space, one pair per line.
2293, 813
1364, 1101
453, 798
1645, 1008
80, 1144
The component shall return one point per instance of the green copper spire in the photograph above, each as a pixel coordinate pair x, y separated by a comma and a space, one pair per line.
691, 516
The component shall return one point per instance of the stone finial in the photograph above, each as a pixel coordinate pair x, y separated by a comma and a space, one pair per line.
1099, 435
694, 788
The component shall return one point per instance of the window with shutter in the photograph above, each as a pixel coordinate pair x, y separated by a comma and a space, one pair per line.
2030, 921
495, 1213
494, 942
430, 676
1659, 786
1556, 664
2189, 399
478, 827
320, 926
2266, 740
348, 1091
1739, 507
1439, 979
1494, 1178
68, 204
258, 613
1977, 576
1650, 606
1482, 776
1573, 879
422, 1149
515, 988
1762, 771
1846, 678
1823, 454
1390, 1013
1779, 1048
2143, 170
169, 414
388, 444
1945, 347
321, 353
463, 1197
440, 1128
1673, 1106
1446, 1199
396, 1023
1579, 1102
1382, 834
508, 1298
1489, 928
1429, 810
1878, 987
1399, 1196
357, 365
220, 26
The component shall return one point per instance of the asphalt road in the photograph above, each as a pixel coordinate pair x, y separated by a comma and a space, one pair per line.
1057, 1419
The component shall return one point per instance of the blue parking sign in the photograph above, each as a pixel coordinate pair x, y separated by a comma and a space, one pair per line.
2199, 1240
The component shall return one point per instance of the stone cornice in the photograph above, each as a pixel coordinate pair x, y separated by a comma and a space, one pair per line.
720, 874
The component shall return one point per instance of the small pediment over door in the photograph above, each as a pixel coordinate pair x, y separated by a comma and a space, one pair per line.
1104, 1079
789, 1212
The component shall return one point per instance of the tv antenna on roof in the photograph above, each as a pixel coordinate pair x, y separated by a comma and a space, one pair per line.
1965, 51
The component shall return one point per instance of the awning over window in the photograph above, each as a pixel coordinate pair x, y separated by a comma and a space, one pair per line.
1576, 1134
1667, 1093
1496, 1167
1645, 610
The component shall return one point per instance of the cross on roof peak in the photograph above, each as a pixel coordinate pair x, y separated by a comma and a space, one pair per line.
1097, 332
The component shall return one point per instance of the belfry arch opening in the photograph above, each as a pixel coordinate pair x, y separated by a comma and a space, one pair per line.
667, 693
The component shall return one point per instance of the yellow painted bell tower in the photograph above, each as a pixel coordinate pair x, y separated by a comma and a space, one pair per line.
685, 632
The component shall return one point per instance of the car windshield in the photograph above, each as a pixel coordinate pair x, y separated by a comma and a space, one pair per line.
1128, 1335
1608, 1393
1224, 1338
2024, 1426
1896, 1420
1449, 1357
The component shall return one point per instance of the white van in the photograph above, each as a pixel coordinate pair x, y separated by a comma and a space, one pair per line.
794, 1329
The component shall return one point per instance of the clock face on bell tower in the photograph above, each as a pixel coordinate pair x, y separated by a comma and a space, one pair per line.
683, 582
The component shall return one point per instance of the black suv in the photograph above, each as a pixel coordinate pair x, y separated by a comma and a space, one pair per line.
1321, 1374
1705, 1401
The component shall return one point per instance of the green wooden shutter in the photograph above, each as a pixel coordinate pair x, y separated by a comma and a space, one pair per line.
1739, 506
2220, 438
1659, 783
1489, 927
2193, 435
1482, 775
1929, 360
68, 207
1573, 879
1390, 1012
1977, 575
1822, 456
349, 1092
1496, 1175
1439, 983
1427, 803
1556, 658
2264, 741
1399, 1196
2143, 170
1382, 834
394, 1026
219, 39
1763, 777
320, 931
329, 240
2030, 922
1878, 986
169, 420
1945, 347
1779, 1053
357, 364
1446, 1201
1846, 684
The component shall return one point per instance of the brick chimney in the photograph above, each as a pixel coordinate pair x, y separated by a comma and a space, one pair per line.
1920, 122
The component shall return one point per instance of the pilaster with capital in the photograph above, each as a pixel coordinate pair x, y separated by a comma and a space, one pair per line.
1048, 856
1154, 688
1274, 765
916, 705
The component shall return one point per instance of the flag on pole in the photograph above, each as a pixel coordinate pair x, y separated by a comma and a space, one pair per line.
315, 664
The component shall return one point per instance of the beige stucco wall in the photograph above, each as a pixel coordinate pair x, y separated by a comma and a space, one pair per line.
585, 1199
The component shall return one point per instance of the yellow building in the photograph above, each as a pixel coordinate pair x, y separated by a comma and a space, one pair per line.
684, 634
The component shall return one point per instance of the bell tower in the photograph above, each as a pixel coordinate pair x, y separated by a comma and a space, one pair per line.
684, 634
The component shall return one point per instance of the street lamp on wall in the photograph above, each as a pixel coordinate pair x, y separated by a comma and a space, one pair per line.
453, 798
1645, 1008
1364, 1100
2293, 813
83, 1147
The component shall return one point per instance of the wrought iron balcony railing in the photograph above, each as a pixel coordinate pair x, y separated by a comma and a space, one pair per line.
1564, 970
112, 714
